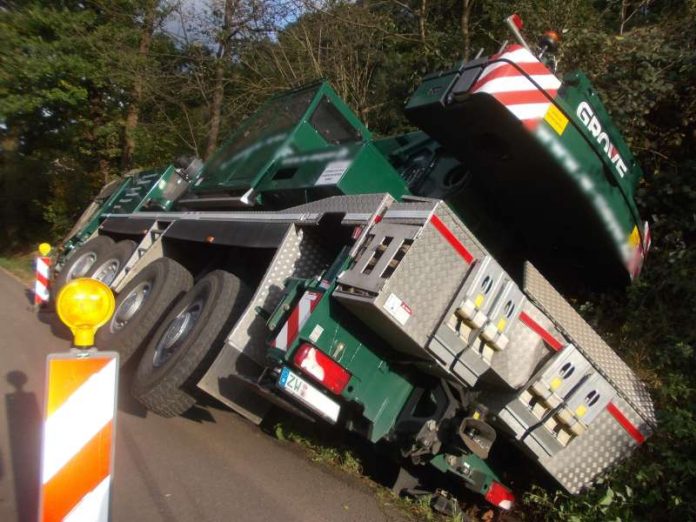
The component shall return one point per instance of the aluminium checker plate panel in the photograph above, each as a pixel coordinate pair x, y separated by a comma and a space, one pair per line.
435, 271
357, 209
299, 255
423, 284
604, 444
508, 369
609, 364
242, 357
460, 350
613, 434
525, 352
617, 430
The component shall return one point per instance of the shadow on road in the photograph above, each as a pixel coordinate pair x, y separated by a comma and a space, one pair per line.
29, 294
24, 425
49, 317
126, 402
198, 413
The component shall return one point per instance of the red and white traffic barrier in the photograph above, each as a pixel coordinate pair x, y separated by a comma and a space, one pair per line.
43, 267
78, 437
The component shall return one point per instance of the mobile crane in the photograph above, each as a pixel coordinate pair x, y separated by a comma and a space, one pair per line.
392, 286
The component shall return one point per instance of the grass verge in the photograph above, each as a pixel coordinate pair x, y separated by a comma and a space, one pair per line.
341, 456
21, 266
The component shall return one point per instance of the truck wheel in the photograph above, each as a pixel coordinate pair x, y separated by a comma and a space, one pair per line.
141, 305
110, 264
188, 339
82, 261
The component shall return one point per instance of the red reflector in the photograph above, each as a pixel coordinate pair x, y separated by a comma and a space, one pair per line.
322, 368
517, 21
500, 496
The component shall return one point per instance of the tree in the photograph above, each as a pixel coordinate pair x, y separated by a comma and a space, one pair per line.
149, 19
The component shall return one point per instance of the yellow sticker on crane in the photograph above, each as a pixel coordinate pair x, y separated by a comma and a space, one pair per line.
556, 119
634, 238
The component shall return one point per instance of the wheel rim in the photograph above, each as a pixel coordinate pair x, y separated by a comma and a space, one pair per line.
130, 306
178, 329
106, 273
82, 265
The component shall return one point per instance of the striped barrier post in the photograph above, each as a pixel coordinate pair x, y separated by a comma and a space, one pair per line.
79, 414
78, 437
43, 266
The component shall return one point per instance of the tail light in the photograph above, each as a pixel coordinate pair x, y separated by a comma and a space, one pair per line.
322, 368
500, 496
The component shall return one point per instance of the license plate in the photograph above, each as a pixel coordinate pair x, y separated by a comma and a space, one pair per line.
310, 396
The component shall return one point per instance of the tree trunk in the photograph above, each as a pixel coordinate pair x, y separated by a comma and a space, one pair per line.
219, 85
422, 15
138, 82
464, 24
216, 108
624, 15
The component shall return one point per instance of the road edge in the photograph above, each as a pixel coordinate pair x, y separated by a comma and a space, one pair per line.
15, 277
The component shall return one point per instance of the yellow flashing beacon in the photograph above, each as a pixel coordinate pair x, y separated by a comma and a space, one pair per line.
84, 305
44, 249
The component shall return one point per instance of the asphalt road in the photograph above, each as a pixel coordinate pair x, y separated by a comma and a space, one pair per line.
212, 465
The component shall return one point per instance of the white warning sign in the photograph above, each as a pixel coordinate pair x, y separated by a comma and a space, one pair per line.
333, 172
398, 309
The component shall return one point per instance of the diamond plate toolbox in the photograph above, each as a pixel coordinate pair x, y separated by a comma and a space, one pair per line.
407, 271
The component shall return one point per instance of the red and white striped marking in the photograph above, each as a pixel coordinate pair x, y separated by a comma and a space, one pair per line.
43, 266
526, 89
78, 434
304, 308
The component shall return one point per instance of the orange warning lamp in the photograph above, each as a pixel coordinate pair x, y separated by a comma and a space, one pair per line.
44, 249
84, 305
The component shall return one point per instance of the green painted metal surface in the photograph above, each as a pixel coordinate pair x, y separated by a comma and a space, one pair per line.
563, 183
155, 189
376, 388
601, 155
333, 171
474, 471
308, 119
89, 222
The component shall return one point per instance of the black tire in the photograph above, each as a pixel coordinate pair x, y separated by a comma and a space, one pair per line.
173, 363
82, 262
112, 262
141, 305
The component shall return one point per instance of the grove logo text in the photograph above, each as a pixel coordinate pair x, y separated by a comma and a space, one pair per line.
587, 116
